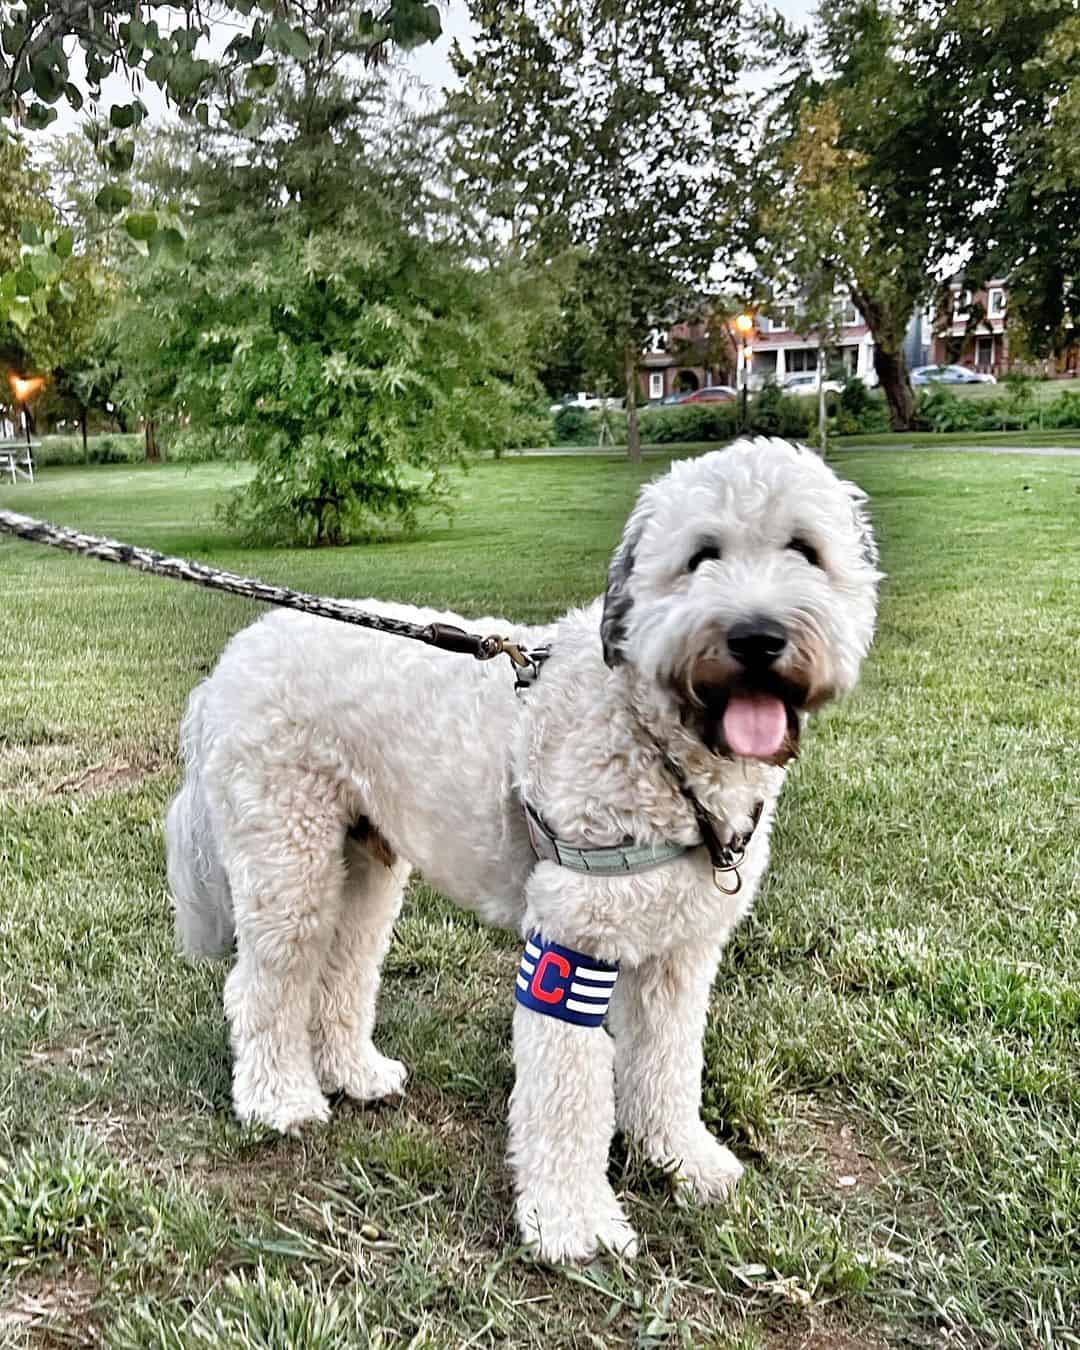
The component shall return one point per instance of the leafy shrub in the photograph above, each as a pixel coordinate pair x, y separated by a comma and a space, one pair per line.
690, 422
111, 448
575, 426
1064, 411
774, 414
942, 411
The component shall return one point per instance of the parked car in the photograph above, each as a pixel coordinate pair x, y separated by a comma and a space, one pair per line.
711, 393
808, 383
587, 401
949, 375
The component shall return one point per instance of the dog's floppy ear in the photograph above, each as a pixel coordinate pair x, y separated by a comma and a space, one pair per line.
617, 598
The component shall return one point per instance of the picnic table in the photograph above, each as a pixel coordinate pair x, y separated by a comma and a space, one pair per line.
17, 459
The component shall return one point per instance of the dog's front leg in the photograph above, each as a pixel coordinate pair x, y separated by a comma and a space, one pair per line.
658, 1016
562, 1118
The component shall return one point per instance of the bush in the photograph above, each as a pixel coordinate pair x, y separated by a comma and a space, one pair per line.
1064, 411
575, 426
771, 413
942, 411
689, 422
111, 448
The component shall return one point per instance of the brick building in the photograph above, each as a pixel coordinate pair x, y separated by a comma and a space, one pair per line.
692, 355
984, 344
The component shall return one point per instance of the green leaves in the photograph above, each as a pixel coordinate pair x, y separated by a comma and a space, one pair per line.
112, 199
239, 114
116, 35
282, 37
141, 225
262, 76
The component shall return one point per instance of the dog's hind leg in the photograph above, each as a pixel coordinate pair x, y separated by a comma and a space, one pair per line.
658, 1018
344, 1010
287, 876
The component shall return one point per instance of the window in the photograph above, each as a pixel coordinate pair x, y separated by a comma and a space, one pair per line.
996, 305
801, 358
849, 315
656, 384
984, 353
961, 305
782, 319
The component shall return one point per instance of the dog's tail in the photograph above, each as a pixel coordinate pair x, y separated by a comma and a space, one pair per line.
197, 877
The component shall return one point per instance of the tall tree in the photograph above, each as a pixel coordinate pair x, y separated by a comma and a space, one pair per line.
815, 234
594, 125
1001, 80
855, 143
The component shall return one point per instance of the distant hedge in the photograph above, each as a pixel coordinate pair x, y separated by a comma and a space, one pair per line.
110, 448
1015, 408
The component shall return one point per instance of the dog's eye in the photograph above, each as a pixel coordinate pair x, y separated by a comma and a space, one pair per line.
808, 551
707, 553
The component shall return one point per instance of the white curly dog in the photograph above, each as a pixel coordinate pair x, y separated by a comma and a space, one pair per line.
325, 763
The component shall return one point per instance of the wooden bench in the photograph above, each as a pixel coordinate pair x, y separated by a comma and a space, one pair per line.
17, 459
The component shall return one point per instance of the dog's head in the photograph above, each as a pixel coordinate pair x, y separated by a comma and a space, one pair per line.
745, 582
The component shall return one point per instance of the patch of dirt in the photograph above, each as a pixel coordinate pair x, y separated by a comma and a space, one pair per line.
821, 1335
848, 1152
60, 1304
849, 1163
80, 1050
108, 776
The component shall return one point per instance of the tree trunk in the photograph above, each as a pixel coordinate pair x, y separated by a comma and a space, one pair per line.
895, 380
633, 431
153, 454
891, 367
822, 421
82, 425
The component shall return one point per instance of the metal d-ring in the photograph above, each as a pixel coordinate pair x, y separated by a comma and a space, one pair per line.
733, 869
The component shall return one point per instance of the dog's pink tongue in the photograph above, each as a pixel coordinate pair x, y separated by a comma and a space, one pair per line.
755, 725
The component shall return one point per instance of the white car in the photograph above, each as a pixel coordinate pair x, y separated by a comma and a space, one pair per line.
950, 375
808, 384
590, 402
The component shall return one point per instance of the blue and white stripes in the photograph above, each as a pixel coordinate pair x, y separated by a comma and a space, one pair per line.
558, 982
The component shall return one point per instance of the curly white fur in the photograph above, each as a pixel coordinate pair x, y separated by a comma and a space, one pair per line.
307, 727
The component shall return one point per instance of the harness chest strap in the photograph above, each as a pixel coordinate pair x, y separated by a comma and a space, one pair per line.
628, 858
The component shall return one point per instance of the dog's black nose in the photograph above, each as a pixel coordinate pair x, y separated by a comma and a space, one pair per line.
756, 643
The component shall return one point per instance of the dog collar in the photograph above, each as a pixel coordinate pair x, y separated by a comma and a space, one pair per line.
622, 860
558, 982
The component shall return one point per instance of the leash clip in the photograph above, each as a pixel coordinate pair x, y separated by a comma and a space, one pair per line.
728, 864
527, 669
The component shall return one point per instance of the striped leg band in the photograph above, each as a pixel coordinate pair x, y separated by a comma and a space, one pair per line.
558, 982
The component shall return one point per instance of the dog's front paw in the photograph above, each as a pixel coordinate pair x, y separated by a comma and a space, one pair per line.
702, 1170
563, 1226
367, 1077
288, 1109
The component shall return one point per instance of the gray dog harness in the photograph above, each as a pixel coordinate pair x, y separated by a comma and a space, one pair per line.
622, 860
627, 858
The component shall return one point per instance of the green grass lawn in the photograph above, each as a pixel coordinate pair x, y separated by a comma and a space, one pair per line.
894, 1044
1044, 391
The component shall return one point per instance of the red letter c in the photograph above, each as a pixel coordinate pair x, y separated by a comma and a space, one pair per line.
555, 993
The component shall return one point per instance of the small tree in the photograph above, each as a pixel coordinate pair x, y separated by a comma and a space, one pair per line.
595, 126
319, 322
854, 154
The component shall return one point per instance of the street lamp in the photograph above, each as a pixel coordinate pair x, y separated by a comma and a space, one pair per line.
744, 324
24, 388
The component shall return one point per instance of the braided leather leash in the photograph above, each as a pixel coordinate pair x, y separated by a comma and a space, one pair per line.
442, 635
